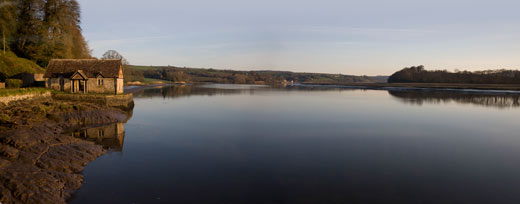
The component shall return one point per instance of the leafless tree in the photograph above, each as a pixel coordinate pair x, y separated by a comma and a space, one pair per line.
112, 54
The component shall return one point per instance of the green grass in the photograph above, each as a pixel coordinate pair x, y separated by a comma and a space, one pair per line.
13, 92
11, 65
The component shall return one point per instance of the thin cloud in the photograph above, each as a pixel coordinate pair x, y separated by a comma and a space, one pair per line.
333, 29
125, 41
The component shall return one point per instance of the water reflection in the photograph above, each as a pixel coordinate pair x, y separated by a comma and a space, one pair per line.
420, 97
408, 96
318, 145
174, 91
111, 136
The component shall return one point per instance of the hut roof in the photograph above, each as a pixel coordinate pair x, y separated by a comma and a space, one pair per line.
90, 67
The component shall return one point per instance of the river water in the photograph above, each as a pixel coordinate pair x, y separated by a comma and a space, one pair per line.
254, 144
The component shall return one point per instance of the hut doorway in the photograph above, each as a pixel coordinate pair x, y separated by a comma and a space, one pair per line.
79, 82
79, 86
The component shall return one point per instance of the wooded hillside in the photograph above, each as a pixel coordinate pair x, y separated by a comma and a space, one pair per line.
170, 73
419, 75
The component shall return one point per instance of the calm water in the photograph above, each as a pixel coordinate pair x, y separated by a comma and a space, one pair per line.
243, 144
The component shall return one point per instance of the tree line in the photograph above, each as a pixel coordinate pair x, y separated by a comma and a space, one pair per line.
417, 74
177, 74
41, 30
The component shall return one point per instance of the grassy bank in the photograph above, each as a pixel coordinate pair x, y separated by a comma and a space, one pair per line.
11, 65
21, 91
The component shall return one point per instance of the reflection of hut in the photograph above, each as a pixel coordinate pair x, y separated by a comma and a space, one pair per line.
110, 136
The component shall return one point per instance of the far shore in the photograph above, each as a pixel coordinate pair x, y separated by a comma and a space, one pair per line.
511, 87
130, 88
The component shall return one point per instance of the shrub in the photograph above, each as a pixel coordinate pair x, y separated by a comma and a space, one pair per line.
78, 107
40, 109
4, 118
53, 117
14, 83
65, 107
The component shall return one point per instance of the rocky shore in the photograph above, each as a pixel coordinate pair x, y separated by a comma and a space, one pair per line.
40, 164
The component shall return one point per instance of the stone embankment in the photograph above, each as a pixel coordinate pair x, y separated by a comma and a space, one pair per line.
28, 96
122, 100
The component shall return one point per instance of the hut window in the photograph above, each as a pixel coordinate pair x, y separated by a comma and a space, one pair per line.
101, 133
100, 82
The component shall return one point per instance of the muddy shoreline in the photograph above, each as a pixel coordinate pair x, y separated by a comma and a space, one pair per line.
38, 162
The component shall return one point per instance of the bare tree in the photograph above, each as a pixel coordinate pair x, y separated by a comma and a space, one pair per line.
112, 54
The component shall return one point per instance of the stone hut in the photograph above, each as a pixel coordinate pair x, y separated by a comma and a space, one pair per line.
85, 76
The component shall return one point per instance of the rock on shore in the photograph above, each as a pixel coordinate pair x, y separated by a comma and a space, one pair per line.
38, 164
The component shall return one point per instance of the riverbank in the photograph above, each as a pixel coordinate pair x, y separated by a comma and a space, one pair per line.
511, 87
40, 164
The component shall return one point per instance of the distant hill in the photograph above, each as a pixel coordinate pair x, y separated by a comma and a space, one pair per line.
170, 73
379, 79
11, 65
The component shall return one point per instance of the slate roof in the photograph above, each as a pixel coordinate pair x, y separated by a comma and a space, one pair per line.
90, 67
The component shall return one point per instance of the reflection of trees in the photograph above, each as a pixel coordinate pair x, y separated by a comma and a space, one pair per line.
483, 99
321, 88
228, 89
182, 91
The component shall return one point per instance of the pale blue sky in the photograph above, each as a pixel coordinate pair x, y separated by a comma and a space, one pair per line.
362, 37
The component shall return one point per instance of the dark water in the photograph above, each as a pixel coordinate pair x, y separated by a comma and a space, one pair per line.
226, 144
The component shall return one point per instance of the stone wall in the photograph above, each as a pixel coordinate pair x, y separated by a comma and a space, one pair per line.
108, 86
7, 99
54, 83
119, 100
120, 86
2, 85
38, 77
